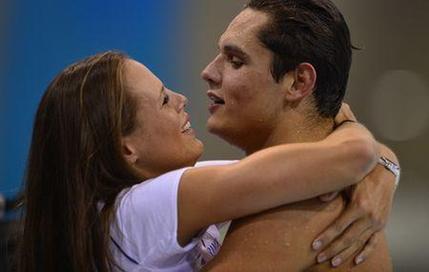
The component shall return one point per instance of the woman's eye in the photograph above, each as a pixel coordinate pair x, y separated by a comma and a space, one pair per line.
166, 99
235, 62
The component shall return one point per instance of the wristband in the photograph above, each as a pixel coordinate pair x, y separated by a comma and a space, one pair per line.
391, 167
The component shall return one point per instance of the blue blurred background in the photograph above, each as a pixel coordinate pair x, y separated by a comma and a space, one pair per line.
43, 37
388, 87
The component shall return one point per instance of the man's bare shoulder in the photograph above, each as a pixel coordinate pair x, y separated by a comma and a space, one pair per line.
277, 240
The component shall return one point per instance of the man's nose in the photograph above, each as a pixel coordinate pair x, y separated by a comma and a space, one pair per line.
211, 73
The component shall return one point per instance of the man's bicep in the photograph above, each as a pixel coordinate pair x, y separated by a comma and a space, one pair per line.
276, 240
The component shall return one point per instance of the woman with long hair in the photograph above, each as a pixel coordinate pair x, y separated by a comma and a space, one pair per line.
112, 181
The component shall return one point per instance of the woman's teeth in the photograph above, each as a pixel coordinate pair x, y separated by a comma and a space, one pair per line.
187, 126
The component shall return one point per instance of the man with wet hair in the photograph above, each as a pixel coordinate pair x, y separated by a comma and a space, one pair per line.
280, 77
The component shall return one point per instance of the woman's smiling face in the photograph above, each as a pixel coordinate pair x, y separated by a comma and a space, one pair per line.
163, 139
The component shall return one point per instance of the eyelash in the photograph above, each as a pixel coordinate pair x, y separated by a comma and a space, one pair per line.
235, 62
166, 99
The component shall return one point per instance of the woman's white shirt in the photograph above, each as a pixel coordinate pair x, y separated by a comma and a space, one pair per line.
144, 230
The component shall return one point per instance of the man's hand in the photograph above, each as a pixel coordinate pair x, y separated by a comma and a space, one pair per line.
358, 228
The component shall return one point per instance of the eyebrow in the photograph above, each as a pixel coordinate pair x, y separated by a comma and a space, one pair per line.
233, 49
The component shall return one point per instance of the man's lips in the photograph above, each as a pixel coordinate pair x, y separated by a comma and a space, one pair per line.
214, 107
215, 98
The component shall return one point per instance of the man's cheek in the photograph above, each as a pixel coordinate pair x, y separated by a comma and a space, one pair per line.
241, 97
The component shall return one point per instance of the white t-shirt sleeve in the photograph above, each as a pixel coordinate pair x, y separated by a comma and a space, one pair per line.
213, 163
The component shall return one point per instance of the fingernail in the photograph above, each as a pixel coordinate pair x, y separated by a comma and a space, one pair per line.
336, 261
359, 259
321, 258
317, 244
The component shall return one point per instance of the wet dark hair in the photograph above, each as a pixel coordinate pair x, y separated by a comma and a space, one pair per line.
312, 31
75, 163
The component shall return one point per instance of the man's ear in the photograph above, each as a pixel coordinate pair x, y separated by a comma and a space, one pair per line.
128, 151
304, 80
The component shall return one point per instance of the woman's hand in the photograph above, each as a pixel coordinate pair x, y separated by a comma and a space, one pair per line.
345, 114
367, 212
357, 230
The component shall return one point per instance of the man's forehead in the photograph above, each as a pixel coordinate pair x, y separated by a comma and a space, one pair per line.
244, 27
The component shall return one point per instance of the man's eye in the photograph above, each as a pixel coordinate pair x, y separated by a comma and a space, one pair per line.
166, 99
235, 62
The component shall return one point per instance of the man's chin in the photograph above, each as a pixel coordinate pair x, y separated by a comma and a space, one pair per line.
211, 124
222, 132
214, 126
212, 129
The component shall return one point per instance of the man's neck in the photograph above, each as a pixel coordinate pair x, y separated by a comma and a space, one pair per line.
297, 130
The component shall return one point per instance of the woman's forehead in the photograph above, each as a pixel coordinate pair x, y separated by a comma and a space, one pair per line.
141, 81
